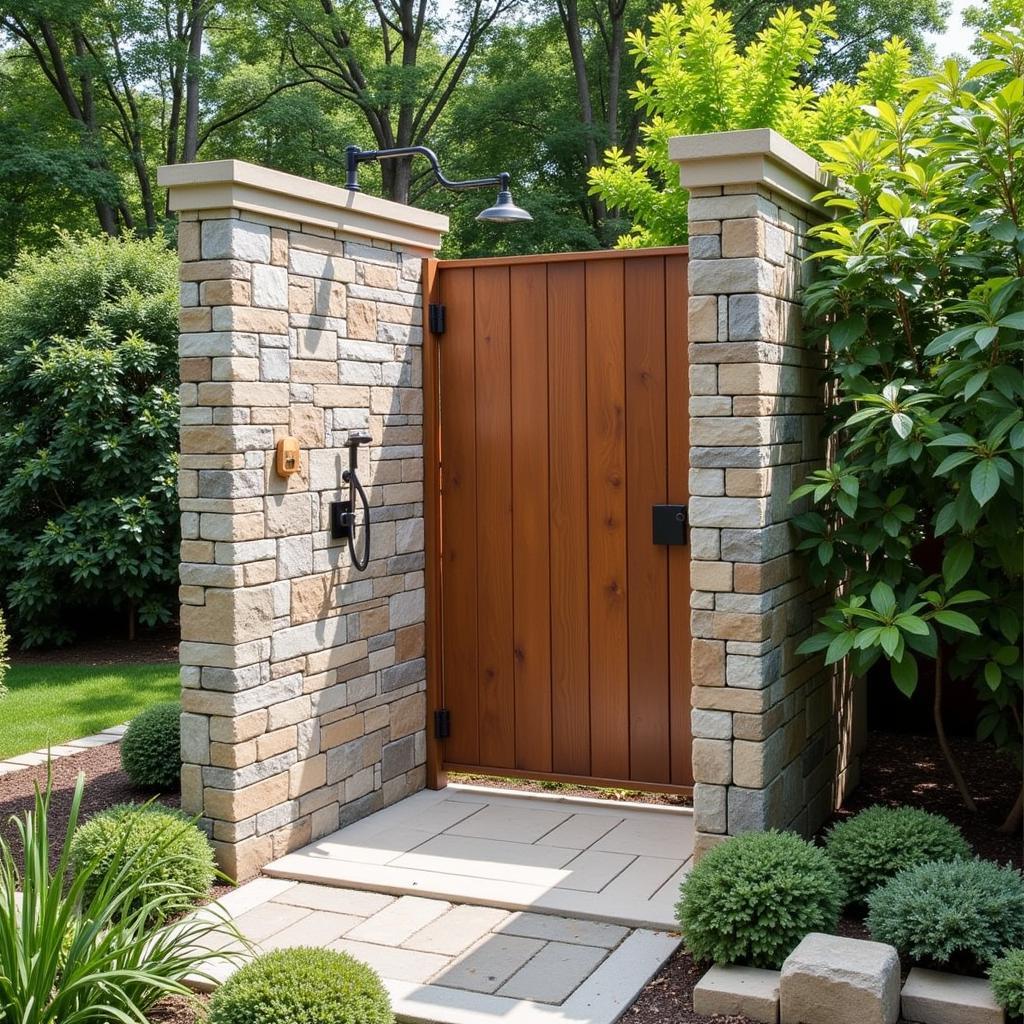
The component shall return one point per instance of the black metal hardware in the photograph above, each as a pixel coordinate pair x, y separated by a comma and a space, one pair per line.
342, 519
437, 312
668, 524
503, 210
442, 724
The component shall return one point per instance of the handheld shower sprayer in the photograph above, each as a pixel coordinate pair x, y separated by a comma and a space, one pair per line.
343, 514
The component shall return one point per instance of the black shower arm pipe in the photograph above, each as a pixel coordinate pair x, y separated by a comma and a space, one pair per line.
354, 156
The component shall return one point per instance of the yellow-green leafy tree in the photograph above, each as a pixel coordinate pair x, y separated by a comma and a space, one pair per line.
696, 79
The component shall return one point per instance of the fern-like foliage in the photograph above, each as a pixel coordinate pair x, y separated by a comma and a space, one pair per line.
695, 80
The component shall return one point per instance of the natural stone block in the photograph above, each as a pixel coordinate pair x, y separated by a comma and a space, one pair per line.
709, 807
731, 991
238, 804
712, 761
937, 997
711, 725
828, 979
234, 239
270, 287
707, 662
229, 616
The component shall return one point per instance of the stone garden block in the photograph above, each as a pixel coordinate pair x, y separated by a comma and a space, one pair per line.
728, 990
828, 979
935, 997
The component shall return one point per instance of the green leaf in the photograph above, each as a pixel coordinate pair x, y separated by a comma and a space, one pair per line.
1014, 320
957, 561
890, 640
902, 424
958, 621
993, 675
847, 331
986, 336
883, 600
815, 643
840, 646
950, 462
984, 481
956, 440
904, 673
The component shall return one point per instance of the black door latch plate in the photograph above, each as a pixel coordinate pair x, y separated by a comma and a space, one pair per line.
669, 524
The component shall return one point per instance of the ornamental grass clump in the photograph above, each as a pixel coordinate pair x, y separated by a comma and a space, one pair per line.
151, 747
1007, 980
753, 898
873, 846
959, 915
79, 946
120, 835
302, 986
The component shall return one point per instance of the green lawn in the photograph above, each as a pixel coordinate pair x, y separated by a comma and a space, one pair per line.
50, 704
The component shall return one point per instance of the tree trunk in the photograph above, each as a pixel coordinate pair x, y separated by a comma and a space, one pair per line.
1016, 816
195, 51
940, 732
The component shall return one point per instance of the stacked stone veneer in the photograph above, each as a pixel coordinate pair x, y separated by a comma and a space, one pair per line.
302, 680
774, 740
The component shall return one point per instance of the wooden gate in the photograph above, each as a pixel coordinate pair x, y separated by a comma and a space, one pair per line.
556, 419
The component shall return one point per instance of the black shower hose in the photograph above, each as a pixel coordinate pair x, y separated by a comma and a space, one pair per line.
352, 478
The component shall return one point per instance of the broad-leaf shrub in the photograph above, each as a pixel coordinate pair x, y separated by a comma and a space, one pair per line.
917, 522
958, 914
81, 947
151, 747
88, 435
753, 898
1007, 980
301, 985
696, 79
117, 838
871, 847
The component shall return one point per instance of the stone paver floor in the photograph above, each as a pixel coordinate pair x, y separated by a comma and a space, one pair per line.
33, 758
614, 862
458, 963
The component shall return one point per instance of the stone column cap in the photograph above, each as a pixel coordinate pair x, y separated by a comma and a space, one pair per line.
752, 156
212, 185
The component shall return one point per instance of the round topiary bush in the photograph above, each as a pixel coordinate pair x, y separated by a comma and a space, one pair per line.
302, 986
753, 898
151, 747
873, 846
1007, 980
961, 914
175, 853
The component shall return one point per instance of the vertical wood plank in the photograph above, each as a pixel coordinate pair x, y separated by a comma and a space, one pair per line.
606, 399
459, 516
530, 543
436, 777
570, 603
644, 304
678, 400
494, 510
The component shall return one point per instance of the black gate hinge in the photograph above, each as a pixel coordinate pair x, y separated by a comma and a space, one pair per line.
442, 724
437, 318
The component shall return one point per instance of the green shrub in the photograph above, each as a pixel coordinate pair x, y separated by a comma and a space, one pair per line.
753, 898
873, 846
81, 945
302, 986
121, 835
151, 747
88, 435
961, 914
1007, 979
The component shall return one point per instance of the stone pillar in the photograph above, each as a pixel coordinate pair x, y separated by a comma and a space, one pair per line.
302, 680
769, 725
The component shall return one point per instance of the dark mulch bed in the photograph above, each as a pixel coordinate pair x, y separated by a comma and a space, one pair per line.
150, 647
910, 770
896, 770
568, 789
105, 785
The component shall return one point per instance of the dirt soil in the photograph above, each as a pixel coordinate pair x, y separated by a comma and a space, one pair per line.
149, 647
900, 769
567, 789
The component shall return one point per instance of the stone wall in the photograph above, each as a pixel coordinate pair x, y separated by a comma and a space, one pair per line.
774, 737
302, 680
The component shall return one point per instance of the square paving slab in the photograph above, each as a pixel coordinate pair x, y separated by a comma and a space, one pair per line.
619, 863
449, 963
